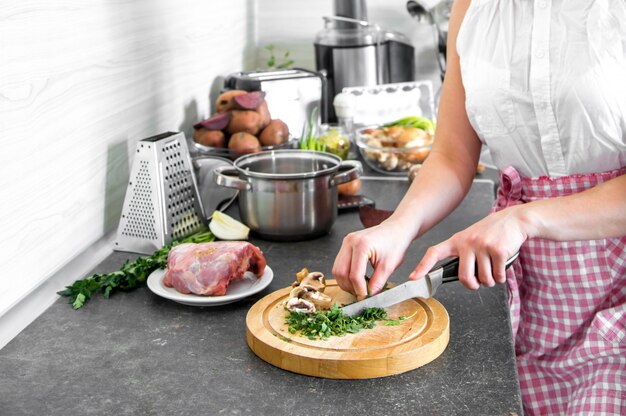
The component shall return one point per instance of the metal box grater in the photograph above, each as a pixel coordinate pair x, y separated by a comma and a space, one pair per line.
162, 201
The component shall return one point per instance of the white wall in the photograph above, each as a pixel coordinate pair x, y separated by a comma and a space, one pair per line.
80, 83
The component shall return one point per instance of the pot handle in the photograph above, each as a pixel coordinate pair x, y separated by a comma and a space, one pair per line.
355, 170
223, 178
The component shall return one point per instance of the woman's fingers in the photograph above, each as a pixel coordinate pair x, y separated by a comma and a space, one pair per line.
498, 266
483, 264
378, 279
341, 267
357, 273
431, 257
471, 264
467, 270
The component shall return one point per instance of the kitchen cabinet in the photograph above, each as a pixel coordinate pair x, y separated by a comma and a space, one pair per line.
137, 353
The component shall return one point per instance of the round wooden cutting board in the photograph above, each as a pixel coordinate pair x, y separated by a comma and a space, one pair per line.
381, 351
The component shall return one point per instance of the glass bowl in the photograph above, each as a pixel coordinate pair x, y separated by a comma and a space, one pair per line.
393, 150
200, 149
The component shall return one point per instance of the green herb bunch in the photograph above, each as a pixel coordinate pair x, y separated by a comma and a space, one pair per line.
132, 275
323, 325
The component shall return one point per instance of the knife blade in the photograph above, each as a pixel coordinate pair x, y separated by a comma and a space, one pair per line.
421, 288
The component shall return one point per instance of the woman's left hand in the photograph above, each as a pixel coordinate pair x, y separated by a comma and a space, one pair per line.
487, 244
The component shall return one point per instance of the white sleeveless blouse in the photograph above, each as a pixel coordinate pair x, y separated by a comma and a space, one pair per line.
545, 83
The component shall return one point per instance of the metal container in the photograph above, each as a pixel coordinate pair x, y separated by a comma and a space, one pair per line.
288, 195
353, 52
162, 201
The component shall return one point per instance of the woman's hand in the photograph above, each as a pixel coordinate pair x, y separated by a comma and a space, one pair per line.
487, 244
384, 246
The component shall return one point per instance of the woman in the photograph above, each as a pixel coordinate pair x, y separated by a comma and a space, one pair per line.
543, 84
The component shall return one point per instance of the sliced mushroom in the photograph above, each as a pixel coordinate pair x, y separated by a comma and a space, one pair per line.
319, 299
302, 274
300, 305
299, 276
314, 281
297, 292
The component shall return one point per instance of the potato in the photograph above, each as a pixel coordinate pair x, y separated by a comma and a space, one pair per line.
212, 138
275, 133
264, 112
243, 142
244, 121
225, 101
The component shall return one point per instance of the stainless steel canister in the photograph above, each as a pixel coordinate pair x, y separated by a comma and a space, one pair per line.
288, 195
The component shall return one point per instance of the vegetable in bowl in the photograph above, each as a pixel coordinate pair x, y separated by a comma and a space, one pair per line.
394, 148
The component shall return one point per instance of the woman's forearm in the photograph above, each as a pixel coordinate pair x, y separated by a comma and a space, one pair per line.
447, 174
599, 212
437, 190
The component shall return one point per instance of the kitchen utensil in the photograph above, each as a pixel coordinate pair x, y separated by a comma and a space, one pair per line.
237, 290
417, 10
437, 14
371, 216
346, 202
212, 196
352, 51
162, 202
382, 351
288, 194
291, 94
422, 288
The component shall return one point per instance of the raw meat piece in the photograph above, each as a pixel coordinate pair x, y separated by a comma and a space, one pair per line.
208, 268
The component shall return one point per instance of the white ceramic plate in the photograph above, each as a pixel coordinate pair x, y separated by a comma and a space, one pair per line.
249, 285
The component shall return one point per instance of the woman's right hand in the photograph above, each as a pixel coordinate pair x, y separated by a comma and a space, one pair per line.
384, 246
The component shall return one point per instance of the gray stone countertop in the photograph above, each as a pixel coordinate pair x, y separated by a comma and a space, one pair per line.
139, 354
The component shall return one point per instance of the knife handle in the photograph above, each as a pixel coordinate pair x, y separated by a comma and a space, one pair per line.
451, 268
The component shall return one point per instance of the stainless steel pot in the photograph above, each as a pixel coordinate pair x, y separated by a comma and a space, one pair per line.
288, 195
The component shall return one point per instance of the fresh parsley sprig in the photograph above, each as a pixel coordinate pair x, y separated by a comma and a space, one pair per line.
132, 275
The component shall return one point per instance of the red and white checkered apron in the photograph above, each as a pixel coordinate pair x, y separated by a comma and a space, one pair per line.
568, 309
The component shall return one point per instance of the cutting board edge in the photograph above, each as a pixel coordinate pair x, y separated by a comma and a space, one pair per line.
347, 369
281, 352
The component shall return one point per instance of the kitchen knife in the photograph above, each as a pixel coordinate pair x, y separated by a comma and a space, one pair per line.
422, 288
